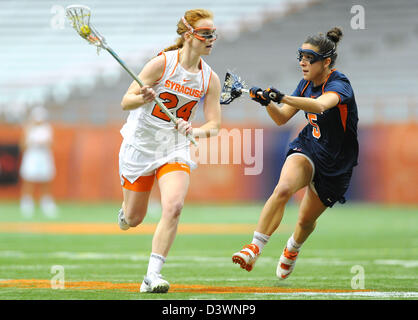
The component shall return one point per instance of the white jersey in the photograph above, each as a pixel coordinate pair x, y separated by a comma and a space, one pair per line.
37, 161
150, 138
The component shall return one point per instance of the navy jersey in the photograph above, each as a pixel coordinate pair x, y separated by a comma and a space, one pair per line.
330, 137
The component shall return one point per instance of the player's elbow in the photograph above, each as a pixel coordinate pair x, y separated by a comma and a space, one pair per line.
280, 122
125, 104
321, 108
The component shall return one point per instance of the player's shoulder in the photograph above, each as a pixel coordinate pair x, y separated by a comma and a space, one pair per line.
158, 60
338, 76
157, 64
338, 80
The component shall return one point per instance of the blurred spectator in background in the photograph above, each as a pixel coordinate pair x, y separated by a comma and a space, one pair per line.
38, 167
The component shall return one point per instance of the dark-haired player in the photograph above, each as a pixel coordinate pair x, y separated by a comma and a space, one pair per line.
323, 155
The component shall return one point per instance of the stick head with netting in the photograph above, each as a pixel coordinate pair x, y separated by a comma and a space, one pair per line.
79, 17
233, 88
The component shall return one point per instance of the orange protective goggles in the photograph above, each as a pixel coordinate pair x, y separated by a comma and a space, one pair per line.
203, 33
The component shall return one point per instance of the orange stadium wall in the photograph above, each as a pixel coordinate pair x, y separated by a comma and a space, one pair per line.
87, 164
86, 159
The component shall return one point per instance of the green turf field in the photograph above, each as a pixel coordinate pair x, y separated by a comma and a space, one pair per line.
382, 241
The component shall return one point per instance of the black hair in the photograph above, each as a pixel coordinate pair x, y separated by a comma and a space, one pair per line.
327, 44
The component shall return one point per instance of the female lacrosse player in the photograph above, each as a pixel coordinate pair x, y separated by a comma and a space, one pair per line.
37, 169
322, 157
153, 147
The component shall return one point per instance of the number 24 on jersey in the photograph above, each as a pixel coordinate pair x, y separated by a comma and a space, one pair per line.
171, 101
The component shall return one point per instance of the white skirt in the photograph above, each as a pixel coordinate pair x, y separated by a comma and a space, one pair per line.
37, 165
134, 163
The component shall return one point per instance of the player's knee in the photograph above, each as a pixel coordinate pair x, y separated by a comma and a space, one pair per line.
134, 217
282, 193
173, 209
134, 221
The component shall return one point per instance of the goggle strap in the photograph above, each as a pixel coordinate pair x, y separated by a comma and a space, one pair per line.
188, 26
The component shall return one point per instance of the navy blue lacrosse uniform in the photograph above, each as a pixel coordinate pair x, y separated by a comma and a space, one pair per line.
330, 138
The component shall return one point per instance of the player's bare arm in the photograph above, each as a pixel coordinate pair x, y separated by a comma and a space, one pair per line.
326, 101
136, 96
211, 109
281, 115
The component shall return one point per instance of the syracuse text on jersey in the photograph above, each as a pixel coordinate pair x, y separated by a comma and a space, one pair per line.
183, 89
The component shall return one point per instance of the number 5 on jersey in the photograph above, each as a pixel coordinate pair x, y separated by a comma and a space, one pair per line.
171, 101
315, 130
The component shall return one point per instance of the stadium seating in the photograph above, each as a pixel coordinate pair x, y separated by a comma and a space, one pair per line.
46, 62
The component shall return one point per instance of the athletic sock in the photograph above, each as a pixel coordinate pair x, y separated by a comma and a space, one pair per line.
260, 240
292, 245
27, 205
156, 263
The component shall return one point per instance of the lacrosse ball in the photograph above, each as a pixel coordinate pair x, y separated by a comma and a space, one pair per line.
85, 30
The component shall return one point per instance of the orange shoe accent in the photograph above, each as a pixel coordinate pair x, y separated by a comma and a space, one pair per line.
239, 260
170, 167
284, 266
291, 255
142, 184
253, 247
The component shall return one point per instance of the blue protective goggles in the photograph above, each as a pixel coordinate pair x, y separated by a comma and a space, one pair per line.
315, 56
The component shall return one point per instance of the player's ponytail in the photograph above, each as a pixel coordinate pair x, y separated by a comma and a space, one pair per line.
327, 44
191, 16
335, 34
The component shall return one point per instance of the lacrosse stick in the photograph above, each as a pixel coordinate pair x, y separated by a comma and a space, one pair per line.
233, 88
79, 17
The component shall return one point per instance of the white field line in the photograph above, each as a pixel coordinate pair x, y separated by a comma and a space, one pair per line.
264, 260
213, 260
402, 263
371, 294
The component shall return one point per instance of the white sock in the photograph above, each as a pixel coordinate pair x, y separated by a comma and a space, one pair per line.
260, 239
27, 205
292, 245
156, 263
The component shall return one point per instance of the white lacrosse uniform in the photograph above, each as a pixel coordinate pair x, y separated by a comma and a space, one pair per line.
150, 139
37, 161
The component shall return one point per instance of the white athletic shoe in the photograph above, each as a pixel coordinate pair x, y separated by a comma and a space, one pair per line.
27, 207
49, 208
247, 256
154, 283
286, 263
121, 221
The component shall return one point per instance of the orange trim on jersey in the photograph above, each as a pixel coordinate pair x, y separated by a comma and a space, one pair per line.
305, 88
203, 78
323, 86
210, 77
175, 67
343, 114
165, 66
142, 184
170, 167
